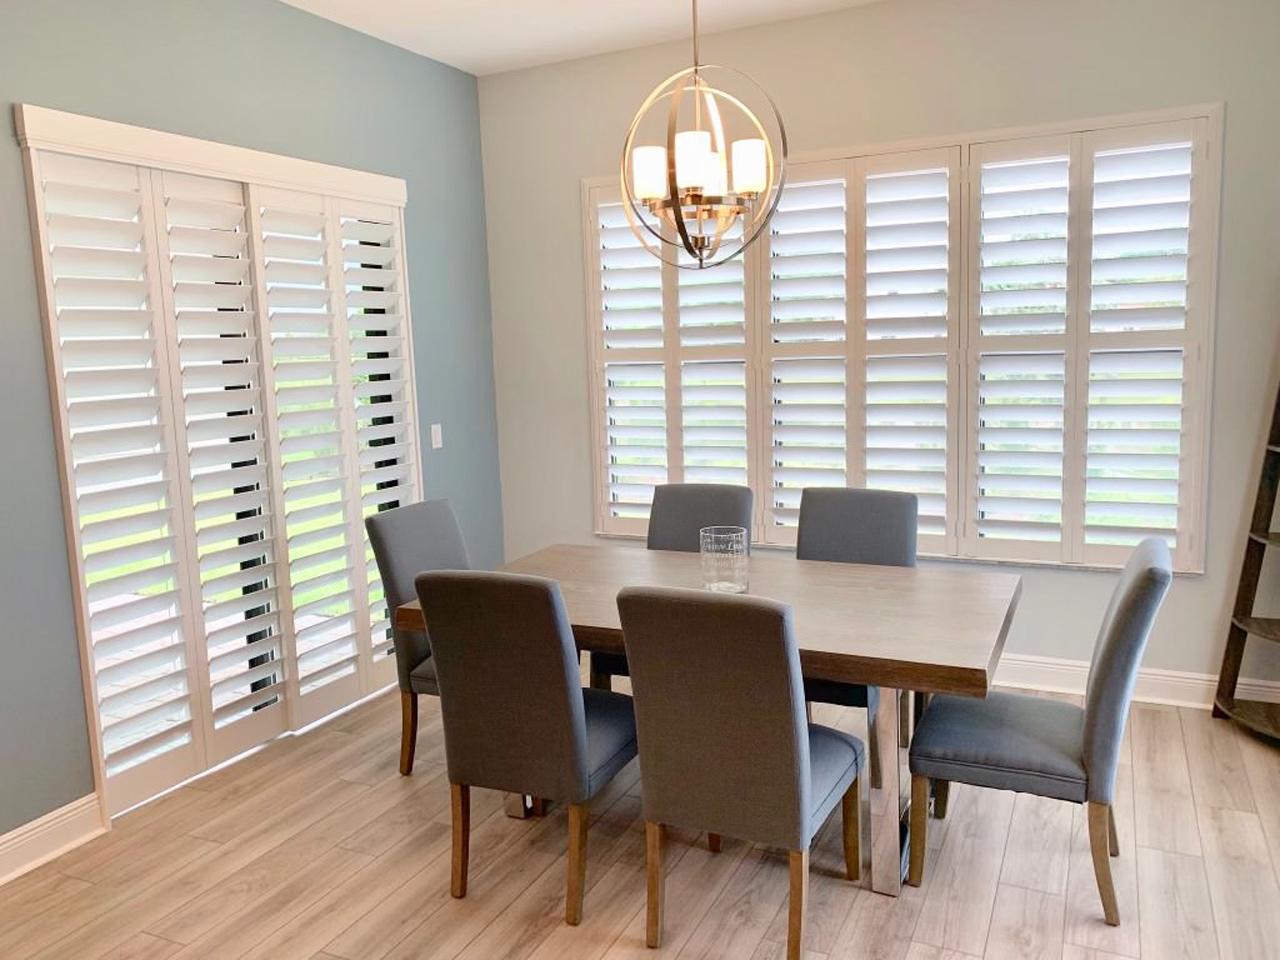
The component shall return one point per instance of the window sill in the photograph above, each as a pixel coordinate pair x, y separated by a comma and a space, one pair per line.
945, 558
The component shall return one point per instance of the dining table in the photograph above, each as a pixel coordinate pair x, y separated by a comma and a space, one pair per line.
939, 628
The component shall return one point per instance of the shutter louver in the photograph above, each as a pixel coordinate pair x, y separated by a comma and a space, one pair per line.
630, 284
299, 304
807, 264
1020, 446
1141, 230
1023, 247
220, 367
1134, 435
112, 364
636, 434
712, 302
906, 439
714, 413
382, 383
808, 428
907, 237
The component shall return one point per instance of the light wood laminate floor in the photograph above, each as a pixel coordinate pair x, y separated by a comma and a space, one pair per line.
315, 848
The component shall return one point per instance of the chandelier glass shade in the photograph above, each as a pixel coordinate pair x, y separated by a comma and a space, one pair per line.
703, 165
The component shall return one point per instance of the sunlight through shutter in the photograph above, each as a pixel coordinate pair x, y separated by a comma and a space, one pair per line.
111, 359
309, 419
205, 239
382, 381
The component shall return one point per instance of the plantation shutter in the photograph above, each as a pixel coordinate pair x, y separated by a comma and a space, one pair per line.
1021, 311
381, 371
110, 370
1145, 266
632, 387
909, 333
1015, 331
205, 266
805, 344
231, 378
312, 422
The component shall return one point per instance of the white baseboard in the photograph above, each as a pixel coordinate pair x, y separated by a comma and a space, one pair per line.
1154, 686
26, 847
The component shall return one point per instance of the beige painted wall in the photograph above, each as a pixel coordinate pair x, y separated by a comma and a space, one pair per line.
897, 70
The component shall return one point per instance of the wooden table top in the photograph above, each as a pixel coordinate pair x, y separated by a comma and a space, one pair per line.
936, 629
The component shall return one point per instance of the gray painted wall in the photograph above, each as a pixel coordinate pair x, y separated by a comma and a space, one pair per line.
257, 74
884, 73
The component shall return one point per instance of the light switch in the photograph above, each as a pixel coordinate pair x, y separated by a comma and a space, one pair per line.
437, 436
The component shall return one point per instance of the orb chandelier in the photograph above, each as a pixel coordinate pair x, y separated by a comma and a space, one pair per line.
701, 170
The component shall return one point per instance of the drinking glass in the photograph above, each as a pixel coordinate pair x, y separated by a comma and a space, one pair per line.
724, 558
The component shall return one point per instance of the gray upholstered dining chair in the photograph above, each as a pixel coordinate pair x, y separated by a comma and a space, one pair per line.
724, 744
676, 517
1047, 747
845, 525
515, 715
407, 541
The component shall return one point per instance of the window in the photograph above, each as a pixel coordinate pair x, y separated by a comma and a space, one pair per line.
230, 365
1013, 329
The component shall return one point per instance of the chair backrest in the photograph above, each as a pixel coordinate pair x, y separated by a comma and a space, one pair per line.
720, 718
1122, 638
510, 694
406, 541
846, 525
681, 510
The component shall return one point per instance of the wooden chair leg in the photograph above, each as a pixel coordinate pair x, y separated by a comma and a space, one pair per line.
577, 867
851, 822
408, 730
1113, 838
941, 793
713, 842
655, 883
799, 864
1099, 817
460, 808
919, 828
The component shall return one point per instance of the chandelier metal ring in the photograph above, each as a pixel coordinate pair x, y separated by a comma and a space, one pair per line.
683, 199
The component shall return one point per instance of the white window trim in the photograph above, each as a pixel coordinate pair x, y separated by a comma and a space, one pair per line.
44, 129
1198, 338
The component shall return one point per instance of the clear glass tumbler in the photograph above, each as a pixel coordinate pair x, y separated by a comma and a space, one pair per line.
724, 558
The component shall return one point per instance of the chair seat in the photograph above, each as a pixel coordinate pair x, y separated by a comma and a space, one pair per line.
834, 760
841, 694
611, 735
1006, 741
422, 678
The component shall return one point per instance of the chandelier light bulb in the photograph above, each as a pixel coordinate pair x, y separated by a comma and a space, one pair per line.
750, 166
649, 172
693, 158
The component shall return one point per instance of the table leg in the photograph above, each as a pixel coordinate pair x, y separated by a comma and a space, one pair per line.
887, 799
599, 680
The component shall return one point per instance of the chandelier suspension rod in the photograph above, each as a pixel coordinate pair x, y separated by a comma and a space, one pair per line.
696, 62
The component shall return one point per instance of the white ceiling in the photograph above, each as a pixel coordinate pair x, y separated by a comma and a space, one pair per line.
489, 36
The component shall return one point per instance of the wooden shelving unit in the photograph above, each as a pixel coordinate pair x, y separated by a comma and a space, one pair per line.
1263, 718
